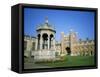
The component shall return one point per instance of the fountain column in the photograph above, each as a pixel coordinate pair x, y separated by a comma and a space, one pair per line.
41, 41
54, 43
36, 44
48, 42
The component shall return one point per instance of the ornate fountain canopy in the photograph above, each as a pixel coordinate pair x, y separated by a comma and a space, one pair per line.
46, 26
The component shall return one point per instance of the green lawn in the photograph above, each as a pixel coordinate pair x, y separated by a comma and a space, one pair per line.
72, 61
68, 61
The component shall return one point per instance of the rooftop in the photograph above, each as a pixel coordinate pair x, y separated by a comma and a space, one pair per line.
46, 26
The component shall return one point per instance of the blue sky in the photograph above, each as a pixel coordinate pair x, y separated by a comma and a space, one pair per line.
80, 21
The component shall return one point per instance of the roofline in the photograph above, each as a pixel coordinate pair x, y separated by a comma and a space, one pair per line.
47, 29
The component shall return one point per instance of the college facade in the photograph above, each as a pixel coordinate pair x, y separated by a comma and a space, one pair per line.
44, 45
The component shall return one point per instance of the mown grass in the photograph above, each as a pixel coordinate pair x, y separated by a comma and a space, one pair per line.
70, 61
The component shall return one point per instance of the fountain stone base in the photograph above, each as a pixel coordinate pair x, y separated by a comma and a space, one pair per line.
44, 55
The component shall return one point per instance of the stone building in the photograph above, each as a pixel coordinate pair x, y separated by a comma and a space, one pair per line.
45, 47
70, 44
29, 45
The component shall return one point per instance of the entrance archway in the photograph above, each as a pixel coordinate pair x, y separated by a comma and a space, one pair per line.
68, 50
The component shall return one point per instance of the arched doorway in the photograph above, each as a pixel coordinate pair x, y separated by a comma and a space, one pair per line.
68, 50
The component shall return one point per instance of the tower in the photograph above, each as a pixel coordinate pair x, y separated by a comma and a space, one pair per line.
62, 43
73, 40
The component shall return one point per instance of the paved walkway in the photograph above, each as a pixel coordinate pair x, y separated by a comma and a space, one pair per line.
33, 65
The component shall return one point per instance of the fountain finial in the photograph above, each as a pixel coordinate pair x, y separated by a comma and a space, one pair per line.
46, 19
